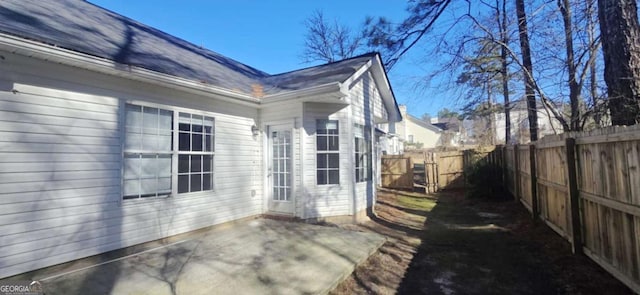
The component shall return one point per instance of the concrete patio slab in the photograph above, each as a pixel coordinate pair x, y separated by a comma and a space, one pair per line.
260, 256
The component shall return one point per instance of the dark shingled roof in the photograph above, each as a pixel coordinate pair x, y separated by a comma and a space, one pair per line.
84, 27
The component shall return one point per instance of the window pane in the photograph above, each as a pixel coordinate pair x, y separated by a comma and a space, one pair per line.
131, 166
206, 181
164, 142
208, 123
334, 176
132, 140
150, 118
196, 128
196, 120
207, 163
183, 164
321, 161
321, 143
334, 160
150, 142
183, 183
208, 143
184, 118
148, 166
148, 186
196, 182
133, 116
184, 141
196, 142
164, 185
132, 187
164, 165
322, 176
184, 126
196, 163
165, 120
333, 143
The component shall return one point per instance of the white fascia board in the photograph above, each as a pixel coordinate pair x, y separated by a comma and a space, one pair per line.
385, 90
347, 83
329, 90
17, 45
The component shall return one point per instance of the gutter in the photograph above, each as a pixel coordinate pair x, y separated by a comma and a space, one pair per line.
33, 49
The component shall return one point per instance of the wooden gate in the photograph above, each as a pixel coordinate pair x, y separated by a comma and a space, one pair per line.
397, 172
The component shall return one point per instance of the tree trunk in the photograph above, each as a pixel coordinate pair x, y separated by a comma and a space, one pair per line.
526, 61
593, 82
501, 18
574, 87
620, 35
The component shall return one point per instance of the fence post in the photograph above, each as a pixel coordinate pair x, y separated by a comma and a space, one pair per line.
516, 172
574, 196
534, 180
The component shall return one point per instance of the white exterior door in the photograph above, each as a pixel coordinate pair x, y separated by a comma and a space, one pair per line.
280, 169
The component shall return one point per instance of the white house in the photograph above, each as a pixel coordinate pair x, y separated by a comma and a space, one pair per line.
415, 132
519, 117
113, 133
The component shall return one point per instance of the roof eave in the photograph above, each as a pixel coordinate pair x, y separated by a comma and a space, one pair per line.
333, 91
33, 49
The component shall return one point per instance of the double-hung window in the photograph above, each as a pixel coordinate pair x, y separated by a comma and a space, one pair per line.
148, 152
152, 144
195, 153
328, 152
362, 153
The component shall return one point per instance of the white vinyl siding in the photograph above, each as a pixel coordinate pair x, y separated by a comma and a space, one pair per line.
326, 200
61, 162
367, 107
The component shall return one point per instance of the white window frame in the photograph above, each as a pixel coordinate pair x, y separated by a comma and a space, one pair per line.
362, 133
328, 152
175, 152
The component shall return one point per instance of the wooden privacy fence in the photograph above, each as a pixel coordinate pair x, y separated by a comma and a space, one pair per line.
437, 170
586, 187
397, 172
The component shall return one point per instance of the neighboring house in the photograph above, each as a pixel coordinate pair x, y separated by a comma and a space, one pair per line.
453, 133
416, 133
547, 124
113, 133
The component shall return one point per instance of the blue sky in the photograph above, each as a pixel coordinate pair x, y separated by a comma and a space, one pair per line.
269, 35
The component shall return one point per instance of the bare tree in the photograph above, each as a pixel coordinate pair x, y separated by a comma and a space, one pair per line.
620, 35
528, 66
329, 41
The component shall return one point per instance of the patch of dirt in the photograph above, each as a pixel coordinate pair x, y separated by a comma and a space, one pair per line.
448, 244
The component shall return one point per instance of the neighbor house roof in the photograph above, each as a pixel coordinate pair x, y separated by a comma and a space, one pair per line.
424, 124
83, 27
